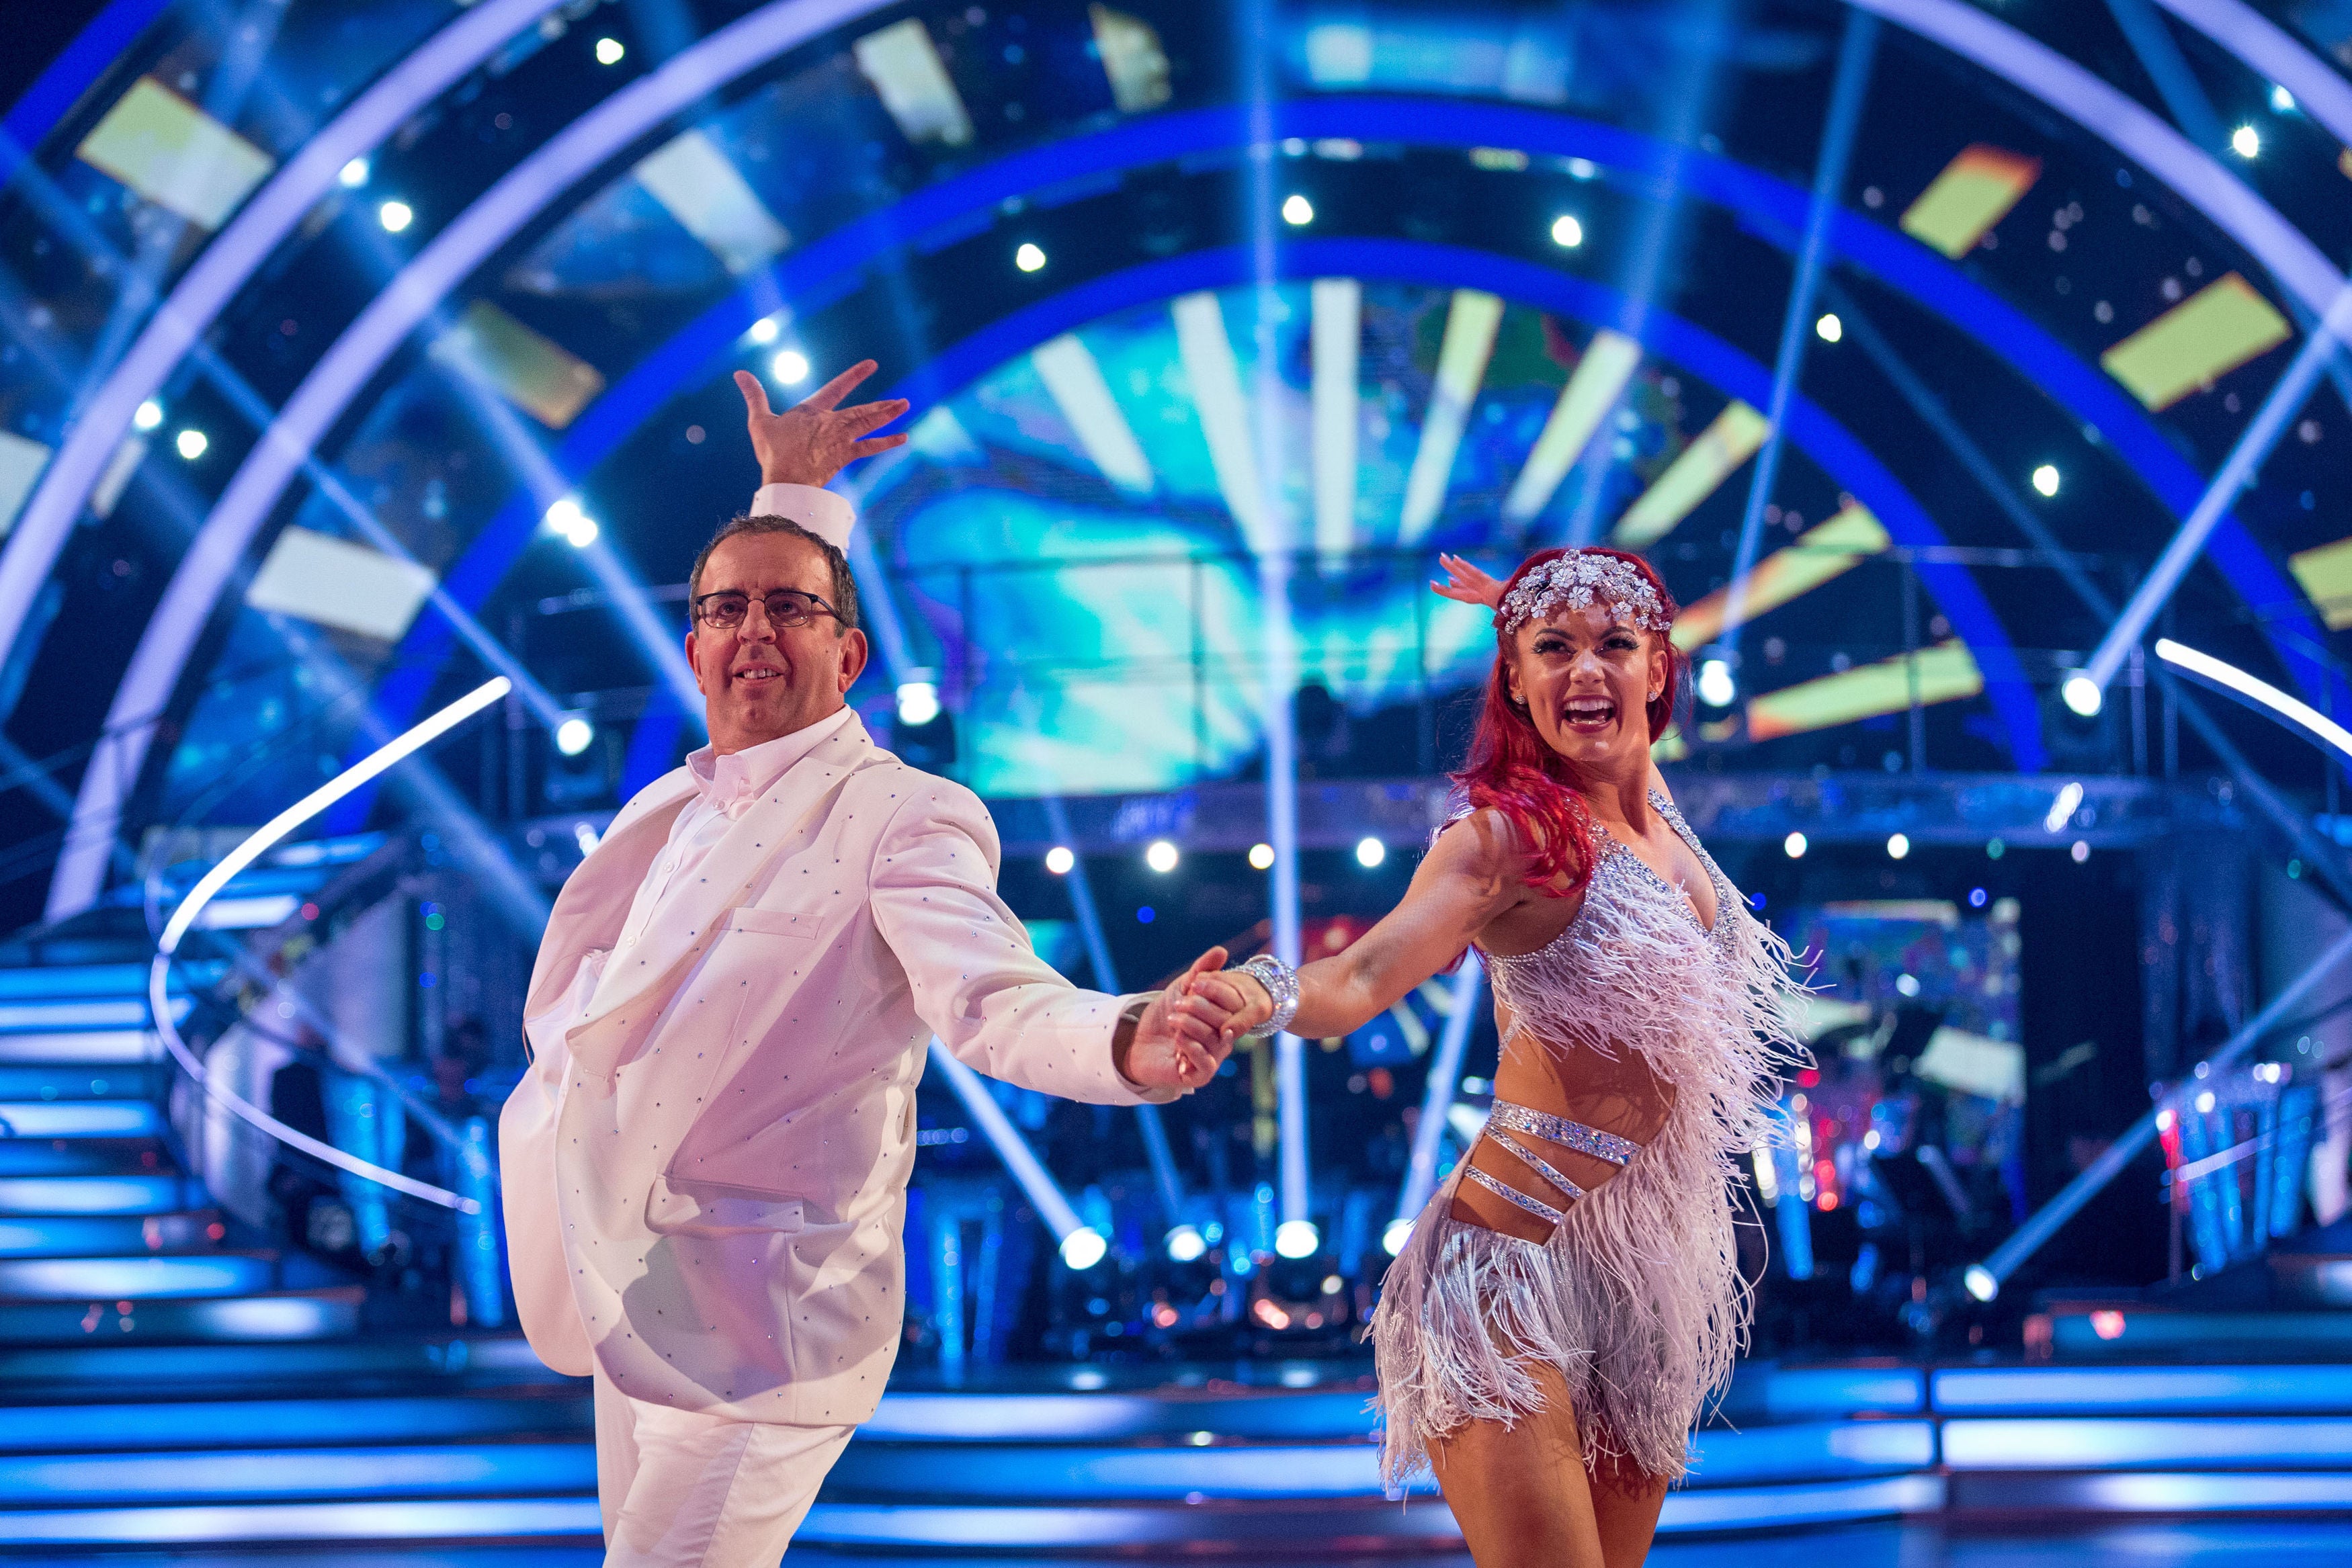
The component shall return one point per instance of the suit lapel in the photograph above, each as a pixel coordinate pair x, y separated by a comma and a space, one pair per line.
640, 981
595, 898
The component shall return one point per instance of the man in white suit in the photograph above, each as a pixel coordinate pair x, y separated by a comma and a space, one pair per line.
705, 1165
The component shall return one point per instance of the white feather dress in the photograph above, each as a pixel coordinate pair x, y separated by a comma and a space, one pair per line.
1636, 1299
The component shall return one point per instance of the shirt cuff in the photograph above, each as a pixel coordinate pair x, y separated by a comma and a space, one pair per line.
820, 511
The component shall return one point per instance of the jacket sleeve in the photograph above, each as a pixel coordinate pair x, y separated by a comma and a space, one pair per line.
977, 982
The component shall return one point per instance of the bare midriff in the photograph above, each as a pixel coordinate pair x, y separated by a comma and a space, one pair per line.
1610, 1091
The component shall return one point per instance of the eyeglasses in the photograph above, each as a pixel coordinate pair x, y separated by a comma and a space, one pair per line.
788, 609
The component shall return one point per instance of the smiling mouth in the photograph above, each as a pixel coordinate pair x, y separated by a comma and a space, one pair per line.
758, 675
1589, 715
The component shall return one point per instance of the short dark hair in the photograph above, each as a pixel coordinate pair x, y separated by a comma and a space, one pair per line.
845, 586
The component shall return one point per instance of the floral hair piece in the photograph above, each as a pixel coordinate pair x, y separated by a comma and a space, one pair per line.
1578, 581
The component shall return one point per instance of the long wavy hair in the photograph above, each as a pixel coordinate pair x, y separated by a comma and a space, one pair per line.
1510, 769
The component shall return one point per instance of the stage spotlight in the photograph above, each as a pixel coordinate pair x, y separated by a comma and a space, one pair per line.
572, 736
1160, 856
1298, 211
2245, 141
191, 444
2081, 694
1977, 897
1185, 1244
1898, 846
2281, 100
1829, 329
1028, 258
1395, 1236
1566, 232
566, 520
1261, 857
763, 331
1371, 853
1059, 860
1083, 1248
791, 367
2081, 852
1297, 1238
395, 216
2063, 806
1795, 846
2046, 479
919, 703
1716, 686
352, 175
1980, 1282
148, 415
609, 51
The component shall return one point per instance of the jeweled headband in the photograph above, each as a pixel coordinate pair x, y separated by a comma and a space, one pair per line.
1578, 581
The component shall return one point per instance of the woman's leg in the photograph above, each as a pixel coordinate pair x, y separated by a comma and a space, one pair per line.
1626, 1503
1521, 1492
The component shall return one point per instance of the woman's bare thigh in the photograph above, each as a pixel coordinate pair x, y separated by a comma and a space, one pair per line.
1524, 1499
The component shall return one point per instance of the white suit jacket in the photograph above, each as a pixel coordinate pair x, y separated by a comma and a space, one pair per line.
706, 1178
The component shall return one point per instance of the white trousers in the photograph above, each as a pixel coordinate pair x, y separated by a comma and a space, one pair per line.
682, 1490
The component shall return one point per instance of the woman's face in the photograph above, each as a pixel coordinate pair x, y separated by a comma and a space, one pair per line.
1586, 680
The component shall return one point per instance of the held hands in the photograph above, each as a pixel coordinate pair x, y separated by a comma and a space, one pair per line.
1465, 583
814, 439
1183, 1035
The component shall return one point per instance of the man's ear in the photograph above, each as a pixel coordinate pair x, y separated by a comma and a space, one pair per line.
853, 658
694, 663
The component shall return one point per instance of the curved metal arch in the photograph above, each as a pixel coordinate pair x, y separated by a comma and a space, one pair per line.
1699, 351
749, 44
224, 265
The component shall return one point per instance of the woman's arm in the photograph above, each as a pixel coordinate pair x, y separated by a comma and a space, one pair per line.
1464, 883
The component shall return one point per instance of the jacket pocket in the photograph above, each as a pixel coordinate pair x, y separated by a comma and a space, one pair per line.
680, 1207
770, 923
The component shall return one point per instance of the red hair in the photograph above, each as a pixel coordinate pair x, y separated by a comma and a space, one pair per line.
1510, 769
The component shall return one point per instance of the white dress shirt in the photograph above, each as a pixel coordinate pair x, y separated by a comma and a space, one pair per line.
726, 786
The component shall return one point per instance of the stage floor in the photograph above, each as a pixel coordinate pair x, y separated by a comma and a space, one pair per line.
2203, 1545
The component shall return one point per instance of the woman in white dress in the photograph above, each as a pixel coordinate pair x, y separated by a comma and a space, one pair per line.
1569, 1300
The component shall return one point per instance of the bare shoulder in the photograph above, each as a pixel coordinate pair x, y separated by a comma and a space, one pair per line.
1484, 846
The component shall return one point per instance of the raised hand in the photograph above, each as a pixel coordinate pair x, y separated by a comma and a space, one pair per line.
1180, 1040
816, 438
1465, 584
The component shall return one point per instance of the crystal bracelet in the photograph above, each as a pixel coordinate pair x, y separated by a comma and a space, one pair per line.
1281, 983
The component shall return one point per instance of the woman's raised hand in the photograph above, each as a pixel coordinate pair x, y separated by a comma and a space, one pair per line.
1465, 584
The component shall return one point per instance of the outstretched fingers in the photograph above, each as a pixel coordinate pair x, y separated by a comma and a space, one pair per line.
829, 395
875, 447
755, 395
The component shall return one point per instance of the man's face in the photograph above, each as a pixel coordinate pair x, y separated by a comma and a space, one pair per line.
760, 681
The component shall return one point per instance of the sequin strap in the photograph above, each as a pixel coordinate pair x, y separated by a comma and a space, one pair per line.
1560, 1130
1534, 1162
1513, 1196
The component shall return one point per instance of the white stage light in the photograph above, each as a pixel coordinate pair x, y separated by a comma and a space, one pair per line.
572, 736
191, 443
1084, 1249
566, 520
1395, 1236
919, 703
395, 216
2063, 806
1261, 857
1186, 1244
2281, 100
1371, 853
2081, 852
2081, 694
1898, 846
1829, 328
1059, 860
148, 415
791, 367
763, 331
1297, 1238
1980, 1282
1028, 258
609, 51
1298, 211
353, 174
1716, 686
1795, 846
2246, 141
1160, 856
2045, 479
1567, 233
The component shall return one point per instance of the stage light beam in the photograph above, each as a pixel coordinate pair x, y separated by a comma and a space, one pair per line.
1337, 331
1470, 324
